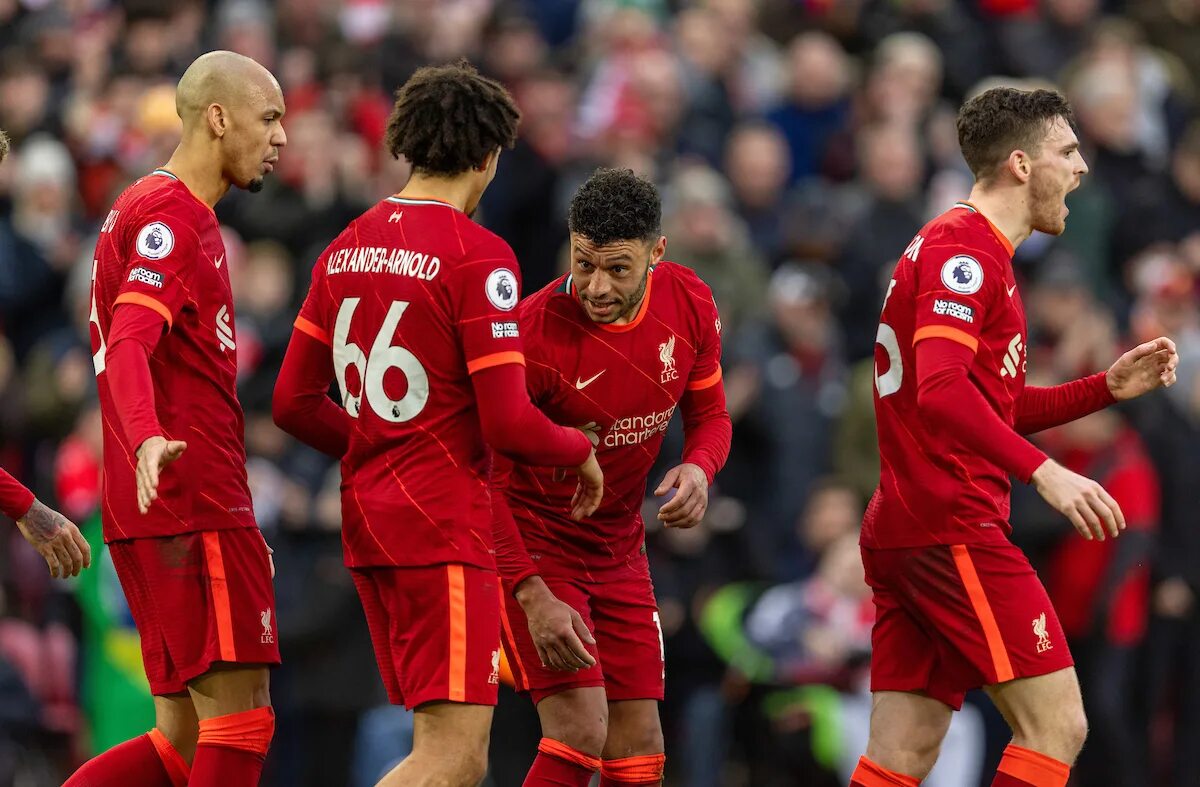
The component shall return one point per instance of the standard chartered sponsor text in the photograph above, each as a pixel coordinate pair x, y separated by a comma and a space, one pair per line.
637, 428
383, 259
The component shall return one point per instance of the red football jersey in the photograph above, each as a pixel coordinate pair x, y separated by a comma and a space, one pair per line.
622, 383
161, 248
954, 281
412, 298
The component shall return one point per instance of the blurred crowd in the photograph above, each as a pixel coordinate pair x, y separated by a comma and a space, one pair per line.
799, 145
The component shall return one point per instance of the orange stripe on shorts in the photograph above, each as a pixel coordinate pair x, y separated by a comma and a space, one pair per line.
983, 611
458, 633
512, 641
220, 594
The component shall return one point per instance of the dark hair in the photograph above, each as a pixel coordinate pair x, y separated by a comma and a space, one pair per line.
3, 145
998, 121
615, 205
447, 119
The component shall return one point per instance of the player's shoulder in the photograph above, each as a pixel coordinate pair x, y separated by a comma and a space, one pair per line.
156, 196
960, 230
555, 296
690, 291
481, 243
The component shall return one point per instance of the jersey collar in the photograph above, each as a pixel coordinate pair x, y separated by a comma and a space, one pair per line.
1000, 236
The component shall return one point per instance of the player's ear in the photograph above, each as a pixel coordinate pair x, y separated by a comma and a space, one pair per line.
218, 120
487, 161
660, 248
1020, 165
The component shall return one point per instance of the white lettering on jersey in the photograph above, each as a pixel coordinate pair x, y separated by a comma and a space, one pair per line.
914, 248
1014, 356
381, 259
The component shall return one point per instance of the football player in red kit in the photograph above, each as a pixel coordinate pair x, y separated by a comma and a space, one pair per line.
175, 502
412, 310
56, 538
615, 347
957, 605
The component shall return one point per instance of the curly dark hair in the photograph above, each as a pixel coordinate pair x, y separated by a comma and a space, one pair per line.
448, 118
3, 145
998, 121
615, 205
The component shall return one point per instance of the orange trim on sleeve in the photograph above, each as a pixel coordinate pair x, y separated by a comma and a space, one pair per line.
173, 763
1034, 767
707, 382
309, 327
641, 769
220, 594
553, 748
983, 611
495, 359
511, 642
946, 332
150, 303
457, 662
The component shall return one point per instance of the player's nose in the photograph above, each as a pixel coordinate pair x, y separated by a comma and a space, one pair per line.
280, 137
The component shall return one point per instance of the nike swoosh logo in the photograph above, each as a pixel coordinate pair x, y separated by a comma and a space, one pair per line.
219, 260
581, 384
1011, 290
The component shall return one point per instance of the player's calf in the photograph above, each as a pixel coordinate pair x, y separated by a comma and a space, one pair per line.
906, 732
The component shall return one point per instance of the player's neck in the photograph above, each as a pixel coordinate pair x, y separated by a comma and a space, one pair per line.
457, 191
195, 169
1006, 208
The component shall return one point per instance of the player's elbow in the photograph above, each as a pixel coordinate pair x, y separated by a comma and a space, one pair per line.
286, 410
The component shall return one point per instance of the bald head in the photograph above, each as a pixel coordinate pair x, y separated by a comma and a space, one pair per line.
234, 81
3, 146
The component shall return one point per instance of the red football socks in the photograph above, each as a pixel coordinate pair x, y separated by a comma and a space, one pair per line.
559, 765
643, 769
146, 761
1021, 767
869, 774
231, 749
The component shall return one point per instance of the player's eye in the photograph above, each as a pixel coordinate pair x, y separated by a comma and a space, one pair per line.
619, 269
584, 265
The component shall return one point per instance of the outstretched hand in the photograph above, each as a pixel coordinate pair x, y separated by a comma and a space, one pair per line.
153, 455
1146, 367
56, 539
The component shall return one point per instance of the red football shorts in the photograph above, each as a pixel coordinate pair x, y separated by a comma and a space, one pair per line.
623, 618
436, 631
197, 599
951, 618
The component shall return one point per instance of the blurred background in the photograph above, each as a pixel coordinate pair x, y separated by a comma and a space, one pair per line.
799, 145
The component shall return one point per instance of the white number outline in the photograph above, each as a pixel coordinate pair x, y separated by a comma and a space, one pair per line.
371, 369
889, 382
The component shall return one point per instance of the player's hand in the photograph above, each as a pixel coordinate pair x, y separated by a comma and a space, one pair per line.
590, 490
557, 630
153, 455
687, 507
1144, 368
1091, 510
56, 539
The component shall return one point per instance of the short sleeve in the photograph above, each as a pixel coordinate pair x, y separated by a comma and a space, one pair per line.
955, 288
707, 370
314, 317
164, 250
484, 292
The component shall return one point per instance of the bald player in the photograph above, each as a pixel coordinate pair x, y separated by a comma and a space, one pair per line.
176, 505
55, 537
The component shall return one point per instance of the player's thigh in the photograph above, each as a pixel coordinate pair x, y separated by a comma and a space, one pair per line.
529, 674
443, 632
629, 636
451, 729
1044, 710
230, 688
634, 729
577, 717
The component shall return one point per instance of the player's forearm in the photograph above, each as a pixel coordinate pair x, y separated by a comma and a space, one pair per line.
1044, 408
707, 429
300, 404
517, 429
127, 365
15, 499
953, 407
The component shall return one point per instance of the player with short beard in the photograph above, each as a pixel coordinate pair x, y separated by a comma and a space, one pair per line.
615, 347
957, 605
176, 503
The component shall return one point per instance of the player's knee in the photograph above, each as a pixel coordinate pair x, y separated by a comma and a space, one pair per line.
583, 734
1074, 731
632, 740
471, 769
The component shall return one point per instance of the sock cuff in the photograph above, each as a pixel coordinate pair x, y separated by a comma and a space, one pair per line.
871, 774
176, 767
560, 750
249, 730
1034, 767
642, 769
